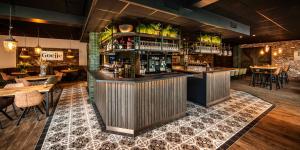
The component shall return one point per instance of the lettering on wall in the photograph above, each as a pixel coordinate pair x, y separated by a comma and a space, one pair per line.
52, 55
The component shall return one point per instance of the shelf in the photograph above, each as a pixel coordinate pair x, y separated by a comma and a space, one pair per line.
120, 34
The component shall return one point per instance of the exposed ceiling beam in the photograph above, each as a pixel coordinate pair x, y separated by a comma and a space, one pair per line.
203, 3
40, 16
196, 14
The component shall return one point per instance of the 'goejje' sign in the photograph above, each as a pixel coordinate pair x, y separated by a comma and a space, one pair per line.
52, 55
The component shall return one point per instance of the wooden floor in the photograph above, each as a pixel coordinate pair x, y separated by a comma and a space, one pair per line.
279, 129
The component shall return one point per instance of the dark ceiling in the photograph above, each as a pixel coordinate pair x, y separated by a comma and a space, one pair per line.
269, 20
26, 26
104, 12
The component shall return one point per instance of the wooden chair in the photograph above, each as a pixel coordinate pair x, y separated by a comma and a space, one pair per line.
25, 82
284, 74
27, 101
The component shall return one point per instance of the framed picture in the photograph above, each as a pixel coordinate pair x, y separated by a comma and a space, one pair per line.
297, 54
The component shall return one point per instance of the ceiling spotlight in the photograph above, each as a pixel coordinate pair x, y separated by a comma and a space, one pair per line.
253, 35
275, 53
262, 52
241, 37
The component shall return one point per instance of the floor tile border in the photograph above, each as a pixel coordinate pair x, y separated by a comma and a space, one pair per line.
247, 128
40, 142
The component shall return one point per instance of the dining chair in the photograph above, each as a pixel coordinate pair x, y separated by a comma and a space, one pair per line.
27, 101
284, 74
24, 81
4, 103
7, 78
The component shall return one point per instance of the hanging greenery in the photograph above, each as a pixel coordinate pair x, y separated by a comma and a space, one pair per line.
107, 33
211, 40
156, 29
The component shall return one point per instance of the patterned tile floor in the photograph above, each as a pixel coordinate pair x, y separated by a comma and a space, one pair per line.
75, 125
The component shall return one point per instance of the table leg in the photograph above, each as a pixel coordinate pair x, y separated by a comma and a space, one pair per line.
47, 104
52, 103
271, 80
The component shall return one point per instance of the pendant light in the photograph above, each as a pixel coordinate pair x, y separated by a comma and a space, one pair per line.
69, 53
38, 48
10, 44
267, 49
24, 52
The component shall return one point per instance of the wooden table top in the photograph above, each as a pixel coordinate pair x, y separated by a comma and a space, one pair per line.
13, 91
18, 73
36, 78
67, 71
265, 67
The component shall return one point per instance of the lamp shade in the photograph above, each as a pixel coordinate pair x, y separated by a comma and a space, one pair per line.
10, 44
70, 54
24, 54
37, 50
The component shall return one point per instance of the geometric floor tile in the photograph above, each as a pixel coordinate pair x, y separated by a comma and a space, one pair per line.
74, 125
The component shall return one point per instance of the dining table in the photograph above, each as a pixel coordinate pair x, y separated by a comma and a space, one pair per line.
68, 70
37, 78
46, 89
269, 69
19, 74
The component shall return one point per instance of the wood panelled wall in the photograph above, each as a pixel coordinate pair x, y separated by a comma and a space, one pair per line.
34, 58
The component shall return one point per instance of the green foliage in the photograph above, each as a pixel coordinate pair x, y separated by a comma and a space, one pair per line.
156, 29
211, 40
107, 33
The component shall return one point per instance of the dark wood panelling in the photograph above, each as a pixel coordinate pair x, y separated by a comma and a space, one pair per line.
34, 58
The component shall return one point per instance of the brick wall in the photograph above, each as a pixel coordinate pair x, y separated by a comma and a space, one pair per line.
287, 56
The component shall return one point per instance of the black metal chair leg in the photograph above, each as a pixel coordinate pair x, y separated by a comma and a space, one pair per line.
36, 114
40, 109
23, 113
6, 115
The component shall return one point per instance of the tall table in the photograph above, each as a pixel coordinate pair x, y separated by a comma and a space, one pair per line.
270, 69
48, 90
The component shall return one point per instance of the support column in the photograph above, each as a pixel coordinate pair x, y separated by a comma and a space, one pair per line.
93, 61
236, 54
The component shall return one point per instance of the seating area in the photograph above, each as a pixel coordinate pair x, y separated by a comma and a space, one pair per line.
266, 76
28, 93
238, 73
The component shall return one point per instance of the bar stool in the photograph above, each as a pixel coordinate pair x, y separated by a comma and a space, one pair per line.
27, 101
256, 78
284, 74
274, 78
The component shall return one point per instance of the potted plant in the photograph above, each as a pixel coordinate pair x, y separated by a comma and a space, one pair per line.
23, 66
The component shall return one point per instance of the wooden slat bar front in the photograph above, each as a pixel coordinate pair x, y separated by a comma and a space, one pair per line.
130, 107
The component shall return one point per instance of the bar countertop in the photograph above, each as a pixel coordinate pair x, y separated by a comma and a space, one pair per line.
108, 76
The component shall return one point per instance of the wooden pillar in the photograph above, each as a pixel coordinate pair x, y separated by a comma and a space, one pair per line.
93, 61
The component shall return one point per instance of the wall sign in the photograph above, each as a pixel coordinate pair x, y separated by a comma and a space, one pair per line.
52, 55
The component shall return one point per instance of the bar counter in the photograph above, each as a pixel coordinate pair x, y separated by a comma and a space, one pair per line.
133, 105
208, 87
